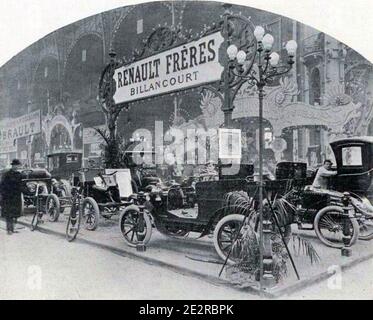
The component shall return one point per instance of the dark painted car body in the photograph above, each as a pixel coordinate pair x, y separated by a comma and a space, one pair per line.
63, 165
354, 171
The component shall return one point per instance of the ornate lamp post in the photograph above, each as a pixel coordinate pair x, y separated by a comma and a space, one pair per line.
258, 67
111, 110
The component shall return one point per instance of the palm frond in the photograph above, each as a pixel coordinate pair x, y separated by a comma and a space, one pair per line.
247, 246
103, 133
237, 202
113, 149
305, 247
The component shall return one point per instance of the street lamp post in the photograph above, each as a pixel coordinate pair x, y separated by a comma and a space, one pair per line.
258, 68
29, 138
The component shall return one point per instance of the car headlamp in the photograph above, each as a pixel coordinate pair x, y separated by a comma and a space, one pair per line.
31, 187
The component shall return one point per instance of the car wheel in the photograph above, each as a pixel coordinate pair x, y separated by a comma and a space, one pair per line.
135, 227
91, 213
53, 207
225, 234
329, 223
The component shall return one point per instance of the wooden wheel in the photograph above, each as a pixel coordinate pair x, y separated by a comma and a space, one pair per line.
52, 207
225, 234
135, 226
73, 223
90, 213
329, 223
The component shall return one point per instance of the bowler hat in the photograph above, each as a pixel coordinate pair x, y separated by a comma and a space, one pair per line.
15, 162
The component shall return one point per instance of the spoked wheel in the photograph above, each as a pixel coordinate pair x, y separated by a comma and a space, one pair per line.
38, 216
52, 207
73, 224
63, 194
329, 224
225, 235
91, 214
135, 226
365, 228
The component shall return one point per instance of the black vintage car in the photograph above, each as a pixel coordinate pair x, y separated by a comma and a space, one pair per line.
192, 205
38, 194
354, 157
62, 165
323, 210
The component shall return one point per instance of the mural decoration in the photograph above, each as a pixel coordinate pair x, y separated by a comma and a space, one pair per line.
38, 150
359, 85
282, 112
337, 96
62, 132
180, 120
281, 109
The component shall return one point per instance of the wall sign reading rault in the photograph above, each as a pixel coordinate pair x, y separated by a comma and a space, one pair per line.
13, 129
179, 68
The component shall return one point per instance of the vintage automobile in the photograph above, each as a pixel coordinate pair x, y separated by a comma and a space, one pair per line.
177, 209
354, 160
142, 176
323, 210
116, 182
62, 165
100, 194
38, 194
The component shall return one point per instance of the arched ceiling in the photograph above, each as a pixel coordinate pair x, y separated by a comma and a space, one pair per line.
128, 36
83, 68
46, 83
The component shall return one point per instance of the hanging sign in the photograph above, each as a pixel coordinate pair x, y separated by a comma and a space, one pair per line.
13, 129
176, 69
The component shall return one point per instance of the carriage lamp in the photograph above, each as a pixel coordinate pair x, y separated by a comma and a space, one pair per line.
158, 197
255, 64
346, 199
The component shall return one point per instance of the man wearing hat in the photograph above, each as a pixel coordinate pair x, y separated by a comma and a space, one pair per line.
11, 195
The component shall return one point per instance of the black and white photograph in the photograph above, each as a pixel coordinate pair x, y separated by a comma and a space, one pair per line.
186, 150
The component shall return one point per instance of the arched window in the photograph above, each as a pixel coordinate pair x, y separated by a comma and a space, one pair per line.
139, 24
45, 89
83, 69
315, 87
60, 139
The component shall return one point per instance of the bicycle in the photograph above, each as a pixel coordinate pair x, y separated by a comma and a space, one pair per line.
75, 216
38, 215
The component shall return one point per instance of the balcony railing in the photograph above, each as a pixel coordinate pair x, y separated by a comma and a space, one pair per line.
314, 44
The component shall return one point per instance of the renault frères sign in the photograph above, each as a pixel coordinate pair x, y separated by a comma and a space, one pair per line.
179, 68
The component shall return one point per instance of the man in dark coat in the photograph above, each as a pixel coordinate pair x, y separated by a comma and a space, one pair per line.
11, 195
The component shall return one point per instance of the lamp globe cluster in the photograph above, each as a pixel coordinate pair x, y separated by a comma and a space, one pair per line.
265, 43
